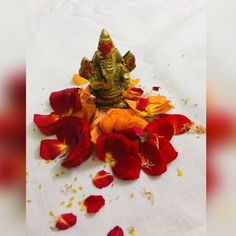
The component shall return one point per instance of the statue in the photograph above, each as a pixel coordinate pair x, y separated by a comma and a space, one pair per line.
108, 73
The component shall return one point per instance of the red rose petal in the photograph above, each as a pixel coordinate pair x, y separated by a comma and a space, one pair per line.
75, 132
123, 152
46, 123
117, 231
167, 149
93, 203
178, 121
79, 152
153, 161
116, 144
155, 88
72, 131
68, 128
160, 127
102, 179
137, 91
142, 104
65, 100
51, 148
127, 166
132, 133
66, 221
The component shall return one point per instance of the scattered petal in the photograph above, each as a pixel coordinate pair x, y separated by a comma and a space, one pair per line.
142, 104
51, 148
77, 79
102, 179
117, 231
137, 91
93, 203
180, 122
66, 221
155, 88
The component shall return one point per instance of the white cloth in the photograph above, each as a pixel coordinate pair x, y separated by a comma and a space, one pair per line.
168, 39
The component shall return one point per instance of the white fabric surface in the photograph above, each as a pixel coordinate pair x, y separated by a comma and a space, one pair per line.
168, 40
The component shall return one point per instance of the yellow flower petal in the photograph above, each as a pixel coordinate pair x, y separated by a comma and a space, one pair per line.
157, 105
134, 82
77, 79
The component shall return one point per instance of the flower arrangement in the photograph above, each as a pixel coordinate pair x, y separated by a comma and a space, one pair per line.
131, 139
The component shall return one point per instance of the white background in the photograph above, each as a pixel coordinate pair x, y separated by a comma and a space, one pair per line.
168, 40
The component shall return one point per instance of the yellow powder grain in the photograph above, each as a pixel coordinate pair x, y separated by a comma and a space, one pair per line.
180, 172
51, 213
70, 204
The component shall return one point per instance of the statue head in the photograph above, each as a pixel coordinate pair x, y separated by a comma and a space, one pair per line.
106, 54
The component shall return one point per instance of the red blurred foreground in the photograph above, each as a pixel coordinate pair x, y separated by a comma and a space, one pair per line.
12, 132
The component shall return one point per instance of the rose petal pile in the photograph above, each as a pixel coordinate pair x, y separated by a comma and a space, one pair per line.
150, 150
123, 137
130, 140
72, 132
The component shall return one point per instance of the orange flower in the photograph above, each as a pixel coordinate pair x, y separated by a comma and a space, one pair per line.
120, 119
94, 127
88, 106
157, 105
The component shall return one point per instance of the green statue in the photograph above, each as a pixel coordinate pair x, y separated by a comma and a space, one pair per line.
108, 73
